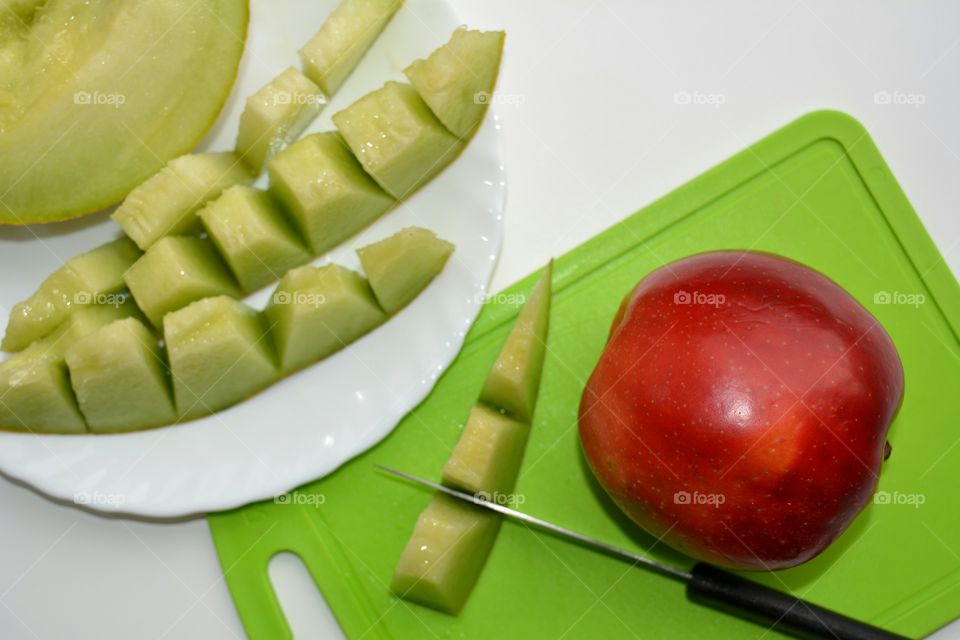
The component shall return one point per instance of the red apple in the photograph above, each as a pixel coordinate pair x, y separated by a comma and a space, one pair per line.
740, 408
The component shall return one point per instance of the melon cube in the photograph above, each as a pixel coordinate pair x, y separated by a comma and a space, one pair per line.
119, 377
252, 236
330, 56
176, 271
276, 115
85, 320
35, 393
166, 203
397, 138
457, 80
514, 380
219, 355
316, 311
82, 280
401, 266
325, 190
488, 454
445, 554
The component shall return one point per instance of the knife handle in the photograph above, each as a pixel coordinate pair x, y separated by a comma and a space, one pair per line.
714, 586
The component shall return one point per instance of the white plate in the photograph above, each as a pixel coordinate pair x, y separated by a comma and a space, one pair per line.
309, 424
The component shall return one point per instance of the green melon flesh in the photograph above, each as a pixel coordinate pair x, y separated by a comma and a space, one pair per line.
487, 456
118, 376
176, 271
401, 266
513, 382
325, 190
276, 115
397, 138
457, 80
330, 56
34, 388
445, 554
85, 321
219, 355
82, 280
35, 394
252, 236
166, 203
95, 95
316, 311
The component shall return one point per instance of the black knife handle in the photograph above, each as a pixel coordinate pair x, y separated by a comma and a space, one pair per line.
711, 585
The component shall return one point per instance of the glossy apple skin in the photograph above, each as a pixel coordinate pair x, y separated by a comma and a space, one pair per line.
748, 428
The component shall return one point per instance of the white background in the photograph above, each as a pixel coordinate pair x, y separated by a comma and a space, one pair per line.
592, 134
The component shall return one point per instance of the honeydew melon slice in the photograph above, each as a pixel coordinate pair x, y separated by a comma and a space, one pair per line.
325, 190
82, 280
219, 354
86, 320
514, 380
397, 138
445, 554
401, 266
119, 377
330, 56
457, 80
176, 271
165, 204
316, 311
275, 115
487, 456
97, 95
252, 236
35, 393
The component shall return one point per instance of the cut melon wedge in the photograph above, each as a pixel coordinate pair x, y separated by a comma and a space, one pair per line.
330, 56
325, 190
397, 138
98, 94
316, 311
451, 540
119, 377
457, 80
445, 554
176, 271
401, 266
35, 393
166, 203
513, 382
83, 279
252, 236
275, 115
486, 459
219, 354
86, 320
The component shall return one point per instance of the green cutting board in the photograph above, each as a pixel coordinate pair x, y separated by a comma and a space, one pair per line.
817, 191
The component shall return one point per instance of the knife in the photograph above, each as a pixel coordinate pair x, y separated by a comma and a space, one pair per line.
706, 584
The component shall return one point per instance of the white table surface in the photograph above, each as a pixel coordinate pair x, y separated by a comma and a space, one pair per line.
593, 132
